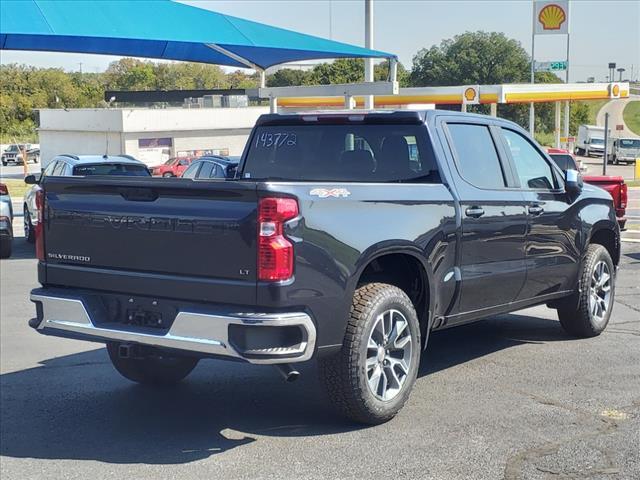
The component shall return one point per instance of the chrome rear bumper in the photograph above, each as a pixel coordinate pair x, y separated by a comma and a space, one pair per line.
204, 333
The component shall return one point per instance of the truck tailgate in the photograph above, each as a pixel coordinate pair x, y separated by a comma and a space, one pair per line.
175, 237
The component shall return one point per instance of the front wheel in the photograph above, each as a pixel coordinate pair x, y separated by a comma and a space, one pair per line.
167, 175
587, 312
370, 378
29, 231
150, 367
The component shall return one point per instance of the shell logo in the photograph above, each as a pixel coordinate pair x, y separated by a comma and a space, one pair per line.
616, 90
552, 17
470, 94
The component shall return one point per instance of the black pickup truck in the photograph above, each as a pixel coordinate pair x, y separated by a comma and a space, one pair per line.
345, 236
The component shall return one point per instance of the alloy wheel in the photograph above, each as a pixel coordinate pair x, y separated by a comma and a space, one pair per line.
388, 355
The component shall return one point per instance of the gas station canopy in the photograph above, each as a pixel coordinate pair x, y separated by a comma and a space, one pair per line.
160, 29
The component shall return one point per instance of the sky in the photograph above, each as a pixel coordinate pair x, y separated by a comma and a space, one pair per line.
602, 31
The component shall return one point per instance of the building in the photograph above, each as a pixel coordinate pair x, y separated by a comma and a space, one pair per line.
150, 135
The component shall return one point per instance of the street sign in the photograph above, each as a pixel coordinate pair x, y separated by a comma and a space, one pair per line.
556, 66
619, 127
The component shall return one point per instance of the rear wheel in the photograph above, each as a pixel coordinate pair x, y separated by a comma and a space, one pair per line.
370, 378
150, 367
587, 312
167, 175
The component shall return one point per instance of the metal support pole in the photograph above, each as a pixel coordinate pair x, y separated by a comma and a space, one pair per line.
556, 130
494, 109
532, 112
463, 108
368, 43
263, 79
273, 105
393, 69
349, 102
567, 104
606, 144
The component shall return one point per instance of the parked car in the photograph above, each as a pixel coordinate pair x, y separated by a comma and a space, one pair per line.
615, 185
335, 240
14, 154
211, 167
174, 167
6, 231
6, 198
77, 166
625, 150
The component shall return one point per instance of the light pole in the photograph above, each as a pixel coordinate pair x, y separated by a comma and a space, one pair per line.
620, 71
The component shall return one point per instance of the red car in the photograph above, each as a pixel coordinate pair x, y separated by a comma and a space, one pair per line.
613, 184
174, 167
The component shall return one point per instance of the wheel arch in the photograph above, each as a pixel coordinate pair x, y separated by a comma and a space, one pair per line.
607, 235
405, 266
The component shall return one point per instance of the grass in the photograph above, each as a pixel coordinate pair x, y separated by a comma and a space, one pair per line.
594, 107
545, 139
16, 187
633, 183
631, 116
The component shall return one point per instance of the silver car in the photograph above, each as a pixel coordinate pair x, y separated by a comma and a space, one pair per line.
6, 231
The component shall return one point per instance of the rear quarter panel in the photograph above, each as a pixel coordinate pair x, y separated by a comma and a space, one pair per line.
336, 238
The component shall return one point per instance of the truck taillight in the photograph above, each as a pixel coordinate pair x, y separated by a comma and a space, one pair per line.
623, 195
39, 227
275, 251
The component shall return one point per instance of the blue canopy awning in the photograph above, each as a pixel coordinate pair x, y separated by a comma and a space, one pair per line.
159, 29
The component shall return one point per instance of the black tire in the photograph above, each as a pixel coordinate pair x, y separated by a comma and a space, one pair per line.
36, 159
151, 368
4, 164
345, 373
29, 231
6, 246
167, 175
576, 314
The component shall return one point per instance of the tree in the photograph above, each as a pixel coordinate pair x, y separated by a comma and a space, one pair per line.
471, 58
286, 77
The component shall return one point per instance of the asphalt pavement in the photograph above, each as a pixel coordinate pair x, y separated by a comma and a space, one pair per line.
512, 397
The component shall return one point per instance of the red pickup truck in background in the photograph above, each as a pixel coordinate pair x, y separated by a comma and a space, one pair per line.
174, 167
613, 184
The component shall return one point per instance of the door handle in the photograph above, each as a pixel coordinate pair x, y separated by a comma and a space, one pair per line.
535, 209
474, 212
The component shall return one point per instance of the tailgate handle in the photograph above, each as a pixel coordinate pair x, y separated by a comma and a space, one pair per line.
139, 194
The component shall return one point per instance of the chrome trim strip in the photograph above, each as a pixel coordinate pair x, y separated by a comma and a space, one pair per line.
191, 331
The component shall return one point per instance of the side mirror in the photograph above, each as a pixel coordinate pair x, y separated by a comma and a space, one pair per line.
30, 180
573, 182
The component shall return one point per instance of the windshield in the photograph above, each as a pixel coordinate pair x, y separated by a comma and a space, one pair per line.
118, 169
597, 141
630, 143
170, 161
348, 153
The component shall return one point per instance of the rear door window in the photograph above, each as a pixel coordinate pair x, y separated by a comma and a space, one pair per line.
192, 170
343, 152
206, 169
476, 155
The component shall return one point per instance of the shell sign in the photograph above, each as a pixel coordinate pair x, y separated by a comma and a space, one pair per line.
551, 17
470, 94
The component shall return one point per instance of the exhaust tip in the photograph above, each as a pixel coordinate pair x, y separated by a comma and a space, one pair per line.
289, 374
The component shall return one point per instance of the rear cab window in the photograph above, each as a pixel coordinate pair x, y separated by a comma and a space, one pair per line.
343, 153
